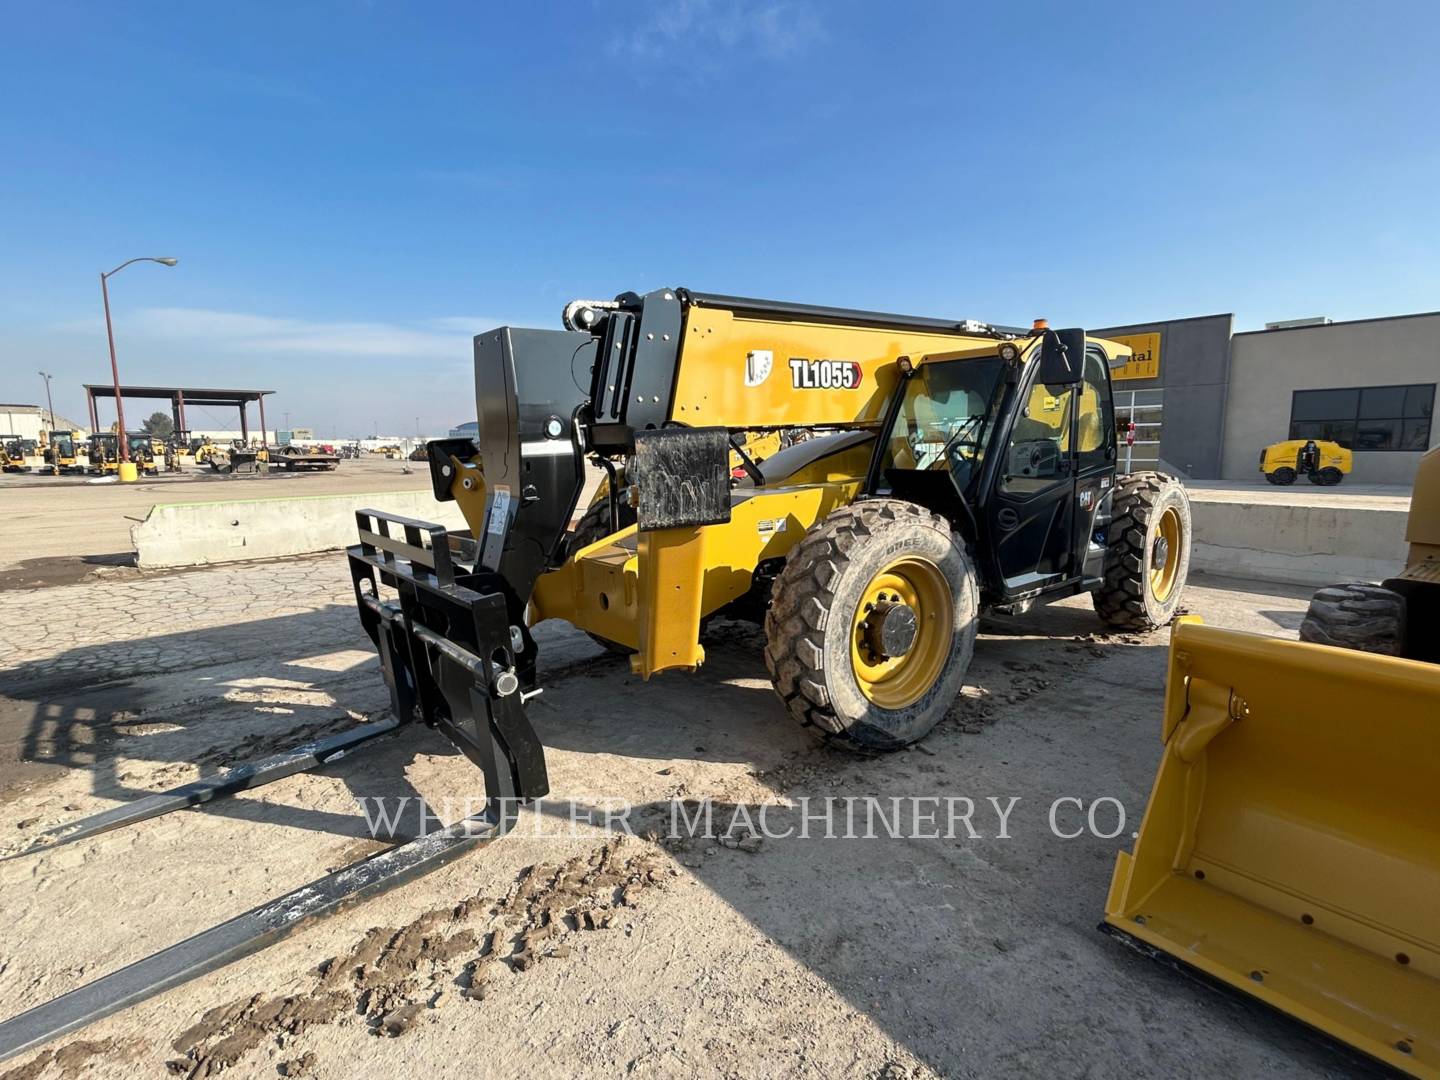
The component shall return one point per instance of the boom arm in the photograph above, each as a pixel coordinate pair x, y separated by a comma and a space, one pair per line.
547, 398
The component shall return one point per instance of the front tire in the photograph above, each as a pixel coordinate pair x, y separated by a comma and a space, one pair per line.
1282, 477
1327, 477
872, 625
1147, 559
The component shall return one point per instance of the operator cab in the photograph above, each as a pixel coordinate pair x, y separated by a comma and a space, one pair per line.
1015, 444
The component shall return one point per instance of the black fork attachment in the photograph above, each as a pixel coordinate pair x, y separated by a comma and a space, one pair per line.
452, 656
454, 659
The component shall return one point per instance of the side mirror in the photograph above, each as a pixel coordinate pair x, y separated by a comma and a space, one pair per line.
1062, 357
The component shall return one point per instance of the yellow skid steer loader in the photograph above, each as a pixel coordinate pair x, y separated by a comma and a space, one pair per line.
1291, 846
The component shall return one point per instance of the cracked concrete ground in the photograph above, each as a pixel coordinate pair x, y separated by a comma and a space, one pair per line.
546, 955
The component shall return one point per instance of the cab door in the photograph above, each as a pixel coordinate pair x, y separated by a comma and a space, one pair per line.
1095, 455
1030, 514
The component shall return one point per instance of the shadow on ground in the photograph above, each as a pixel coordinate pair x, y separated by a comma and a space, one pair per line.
976, 952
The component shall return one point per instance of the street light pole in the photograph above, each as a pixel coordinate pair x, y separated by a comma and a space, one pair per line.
121, 443
50, 402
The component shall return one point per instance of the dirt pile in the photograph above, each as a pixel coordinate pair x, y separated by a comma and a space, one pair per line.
392, 976
75, 1058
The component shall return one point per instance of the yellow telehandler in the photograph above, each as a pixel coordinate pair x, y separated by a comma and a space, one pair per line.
1291, 845
951, 467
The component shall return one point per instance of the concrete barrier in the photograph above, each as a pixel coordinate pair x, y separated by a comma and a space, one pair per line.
193, 534
1297, 544
1302, 544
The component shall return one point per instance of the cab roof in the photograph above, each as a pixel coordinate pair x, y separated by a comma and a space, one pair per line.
1115, 353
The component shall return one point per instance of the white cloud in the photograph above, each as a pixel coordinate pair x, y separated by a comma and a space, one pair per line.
687, 32
233, 331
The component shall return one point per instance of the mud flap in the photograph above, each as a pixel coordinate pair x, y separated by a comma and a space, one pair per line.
682, 476
1291, 845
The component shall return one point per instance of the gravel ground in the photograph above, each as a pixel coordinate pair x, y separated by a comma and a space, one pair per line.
584, 954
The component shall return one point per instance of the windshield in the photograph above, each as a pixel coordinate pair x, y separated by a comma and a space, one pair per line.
945, 417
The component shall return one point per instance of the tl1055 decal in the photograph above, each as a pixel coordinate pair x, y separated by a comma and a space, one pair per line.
824, 374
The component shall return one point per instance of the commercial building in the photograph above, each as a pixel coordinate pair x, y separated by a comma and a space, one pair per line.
1175, 392
1367, 384
28, 421
1207, 400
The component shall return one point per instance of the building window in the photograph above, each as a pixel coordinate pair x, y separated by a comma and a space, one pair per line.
1365, 417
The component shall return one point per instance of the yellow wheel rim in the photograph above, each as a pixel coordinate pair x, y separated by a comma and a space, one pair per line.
893, 682
1165, 555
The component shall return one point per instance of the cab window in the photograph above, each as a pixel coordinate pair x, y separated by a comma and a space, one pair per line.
945, 416
1039, 448
1097, 413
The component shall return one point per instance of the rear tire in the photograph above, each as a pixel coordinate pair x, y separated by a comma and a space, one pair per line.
1282, 477
1327, 477
1147, 559
820, 633
594, 525
1357, 615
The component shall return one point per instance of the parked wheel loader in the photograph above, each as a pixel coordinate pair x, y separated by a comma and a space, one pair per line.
938, 469
1291, 845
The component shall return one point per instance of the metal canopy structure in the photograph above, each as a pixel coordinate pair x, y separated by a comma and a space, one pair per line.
179, 397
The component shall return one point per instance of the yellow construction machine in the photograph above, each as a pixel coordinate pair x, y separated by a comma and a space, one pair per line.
1320, 461
19, 455
61, 452
1291, 845
103, 453
202, 449
943, 468
957, 467
238, 458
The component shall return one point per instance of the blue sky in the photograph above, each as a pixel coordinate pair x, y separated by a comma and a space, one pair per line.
354, 189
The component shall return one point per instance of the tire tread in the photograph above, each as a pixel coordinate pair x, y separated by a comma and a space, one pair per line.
1357, 615
1120, 601
801, 607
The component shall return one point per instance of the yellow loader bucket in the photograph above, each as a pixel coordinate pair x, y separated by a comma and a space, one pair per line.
1291, 846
